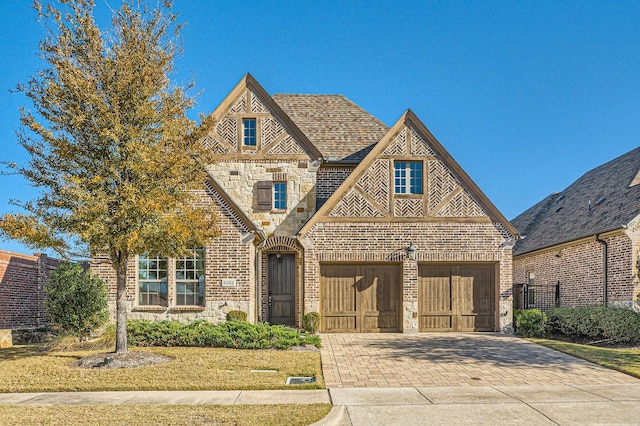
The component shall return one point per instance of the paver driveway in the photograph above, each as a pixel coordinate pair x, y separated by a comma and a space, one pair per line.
452, 359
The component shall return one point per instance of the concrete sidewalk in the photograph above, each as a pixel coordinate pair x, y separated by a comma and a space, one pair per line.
478, 405
487, 405
235, 397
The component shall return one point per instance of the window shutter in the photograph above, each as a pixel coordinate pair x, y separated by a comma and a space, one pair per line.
264, 197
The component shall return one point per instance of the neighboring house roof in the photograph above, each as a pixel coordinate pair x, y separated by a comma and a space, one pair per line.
340, 129
604, 199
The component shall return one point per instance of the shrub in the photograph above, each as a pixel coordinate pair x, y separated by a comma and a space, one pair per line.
236, 316
530, 322
311, 322
614, 325
230, 334
76, 300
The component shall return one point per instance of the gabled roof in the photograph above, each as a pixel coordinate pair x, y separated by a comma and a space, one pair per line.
409, 119
602, 200
340, 129
249, 82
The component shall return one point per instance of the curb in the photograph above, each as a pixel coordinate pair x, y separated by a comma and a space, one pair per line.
338, 416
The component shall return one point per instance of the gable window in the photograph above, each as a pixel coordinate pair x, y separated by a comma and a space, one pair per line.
280, 195
408, 177
190, 279
249, 132
152, 280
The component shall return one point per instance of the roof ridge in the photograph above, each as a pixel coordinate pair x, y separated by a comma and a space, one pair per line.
310, 94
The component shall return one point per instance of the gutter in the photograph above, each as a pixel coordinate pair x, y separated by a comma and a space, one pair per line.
605, 267
571, 241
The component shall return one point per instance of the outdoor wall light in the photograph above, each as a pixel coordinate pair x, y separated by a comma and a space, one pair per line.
411, 251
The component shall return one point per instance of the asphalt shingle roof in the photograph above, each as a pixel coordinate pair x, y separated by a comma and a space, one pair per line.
339, 129
601, 200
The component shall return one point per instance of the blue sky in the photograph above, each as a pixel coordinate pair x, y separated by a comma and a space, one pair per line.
526, 96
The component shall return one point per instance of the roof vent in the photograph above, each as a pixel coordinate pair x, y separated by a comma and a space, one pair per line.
558, 209
560, 198
600, 200
636, 180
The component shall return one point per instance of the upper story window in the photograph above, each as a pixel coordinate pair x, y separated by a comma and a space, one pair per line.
152, 280
190, 279
408, 177
249, 132
280, 195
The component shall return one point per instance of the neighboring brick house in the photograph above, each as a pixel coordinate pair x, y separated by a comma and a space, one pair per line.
318, 203
585, 238
22, 282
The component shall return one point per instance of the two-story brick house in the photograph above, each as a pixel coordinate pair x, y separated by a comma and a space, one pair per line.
323, 208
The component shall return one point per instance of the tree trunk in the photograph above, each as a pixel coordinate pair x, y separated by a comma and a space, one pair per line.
121, 307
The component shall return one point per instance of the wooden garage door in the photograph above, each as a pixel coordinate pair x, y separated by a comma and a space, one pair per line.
456, 297
360, 298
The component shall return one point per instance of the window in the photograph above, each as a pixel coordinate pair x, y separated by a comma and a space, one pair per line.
408, 177
249, 132
280, 195
159, 276
531, 292
152, 281
190, 279
271, 195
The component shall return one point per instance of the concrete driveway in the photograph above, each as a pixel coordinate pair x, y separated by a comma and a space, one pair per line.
452, 359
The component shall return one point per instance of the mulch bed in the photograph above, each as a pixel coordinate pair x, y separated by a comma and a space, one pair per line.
121, 360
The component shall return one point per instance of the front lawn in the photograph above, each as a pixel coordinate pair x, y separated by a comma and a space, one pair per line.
165, 414
28, 369
624, 360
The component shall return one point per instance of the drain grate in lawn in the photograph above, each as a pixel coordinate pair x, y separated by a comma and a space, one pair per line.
300, 380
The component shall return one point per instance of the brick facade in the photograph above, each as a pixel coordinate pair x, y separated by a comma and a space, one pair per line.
386, 242
448, 219
22, 282
579, 269
329, 179
229, 256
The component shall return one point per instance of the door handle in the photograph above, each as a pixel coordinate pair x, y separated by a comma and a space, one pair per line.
269, 299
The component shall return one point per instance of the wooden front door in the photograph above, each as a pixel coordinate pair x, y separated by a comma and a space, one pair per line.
360, 298
282, 288
456, 297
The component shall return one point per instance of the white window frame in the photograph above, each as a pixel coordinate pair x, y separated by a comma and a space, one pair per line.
404, 177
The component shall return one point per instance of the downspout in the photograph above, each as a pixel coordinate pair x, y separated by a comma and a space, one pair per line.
605, 269
258, 278
258, 273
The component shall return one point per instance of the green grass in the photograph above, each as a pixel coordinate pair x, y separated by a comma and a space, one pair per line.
624, 360
28, 369
164, 414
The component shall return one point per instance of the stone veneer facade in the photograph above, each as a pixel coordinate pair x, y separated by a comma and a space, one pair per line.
239, 179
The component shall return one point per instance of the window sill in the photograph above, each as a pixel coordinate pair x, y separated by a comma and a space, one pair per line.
408, 195
191, 308
278, 211
150, 308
